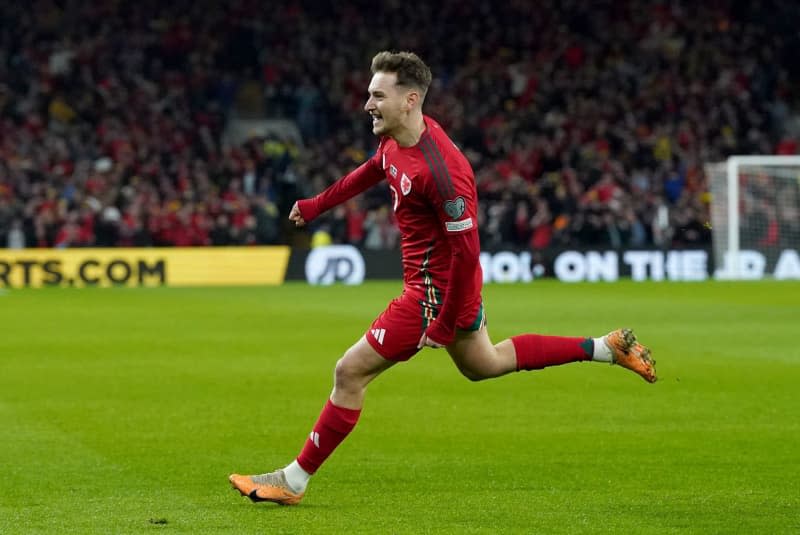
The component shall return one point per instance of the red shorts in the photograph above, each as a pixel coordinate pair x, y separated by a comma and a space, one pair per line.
396, 332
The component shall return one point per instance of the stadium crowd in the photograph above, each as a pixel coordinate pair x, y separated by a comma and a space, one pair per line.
584, 126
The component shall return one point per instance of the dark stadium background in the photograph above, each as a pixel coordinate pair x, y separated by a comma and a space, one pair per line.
586, 122
129, 130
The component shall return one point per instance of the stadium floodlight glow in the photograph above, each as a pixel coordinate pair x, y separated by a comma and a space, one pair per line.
755, 199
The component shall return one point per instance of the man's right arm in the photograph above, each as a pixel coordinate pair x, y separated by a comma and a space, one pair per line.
360, 179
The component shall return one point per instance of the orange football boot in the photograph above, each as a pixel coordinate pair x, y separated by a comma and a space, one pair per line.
629, 353
271, 487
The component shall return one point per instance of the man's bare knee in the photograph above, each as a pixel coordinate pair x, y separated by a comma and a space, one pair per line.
354, 370
344, 375
474, 374
477, 358
482, 370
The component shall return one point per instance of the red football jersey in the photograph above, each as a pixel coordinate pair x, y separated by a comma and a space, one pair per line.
435, 204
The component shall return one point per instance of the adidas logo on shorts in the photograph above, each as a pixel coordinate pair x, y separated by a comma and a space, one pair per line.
378, 335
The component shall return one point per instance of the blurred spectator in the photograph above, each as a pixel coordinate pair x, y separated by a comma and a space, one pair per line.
379, 229
585, 124
16, 237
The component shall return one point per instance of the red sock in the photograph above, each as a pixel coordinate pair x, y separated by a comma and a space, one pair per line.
333, 425
535, 351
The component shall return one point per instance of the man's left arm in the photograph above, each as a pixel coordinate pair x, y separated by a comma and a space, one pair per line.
464, 266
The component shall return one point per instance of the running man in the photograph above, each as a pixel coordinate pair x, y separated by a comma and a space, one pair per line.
435, 204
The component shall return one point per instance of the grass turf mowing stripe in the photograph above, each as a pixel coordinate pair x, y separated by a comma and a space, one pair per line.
124, 410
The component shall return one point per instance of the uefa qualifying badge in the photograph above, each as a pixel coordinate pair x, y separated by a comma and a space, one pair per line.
455, 208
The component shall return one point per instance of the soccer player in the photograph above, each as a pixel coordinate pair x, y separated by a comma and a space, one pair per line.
435, 203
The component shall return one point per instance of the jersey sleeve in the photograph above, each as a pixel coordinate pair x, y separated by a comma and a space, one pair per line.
453, 194
464, 272
454, 199
360, 179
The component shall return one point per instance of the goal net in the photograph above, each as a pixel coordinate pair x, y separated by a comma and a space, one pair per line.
755, 216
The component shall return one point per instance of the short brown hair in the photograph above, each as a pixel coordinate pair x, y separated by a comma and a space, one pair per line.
409, 68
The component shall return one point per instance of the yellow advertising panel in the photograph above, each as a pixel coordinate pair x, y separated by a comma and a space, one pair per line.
179, 266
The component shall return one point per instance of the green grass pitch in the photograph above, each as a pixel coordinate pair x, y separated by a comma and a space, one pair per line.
124, 410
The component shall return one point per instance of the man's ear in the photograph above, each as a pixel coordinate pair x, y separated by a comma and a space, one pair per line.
413, 99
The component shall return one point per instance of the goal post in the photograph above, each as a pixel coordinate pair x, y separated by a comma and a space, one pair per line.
755, 216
